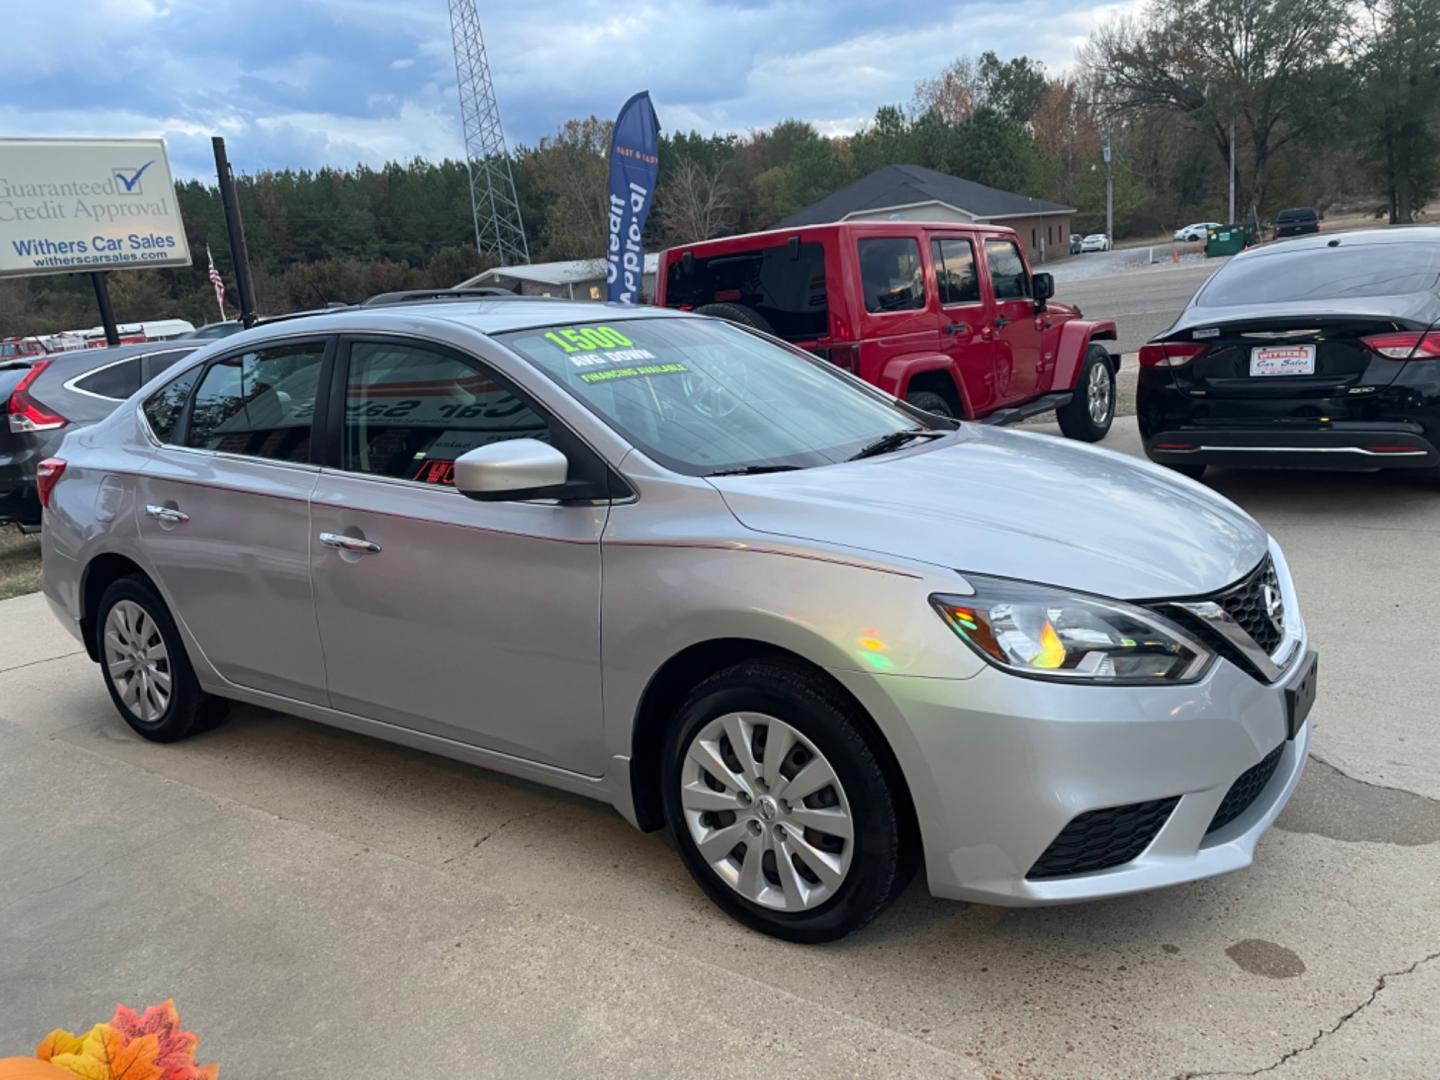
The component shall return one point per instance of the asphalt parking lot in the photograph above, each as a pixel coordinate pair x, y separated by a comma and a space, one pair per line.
320, 904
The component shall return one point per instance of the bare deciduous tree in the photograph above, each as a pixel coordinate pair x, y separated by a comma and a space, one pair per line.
694, 202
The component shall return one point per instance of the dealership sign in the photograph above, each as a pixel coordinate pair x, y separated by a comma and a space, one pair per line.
69, 205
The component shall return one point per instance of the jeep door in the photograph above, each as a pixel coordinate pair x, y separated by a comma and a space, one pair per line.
965, 330
897, 321
1017, 331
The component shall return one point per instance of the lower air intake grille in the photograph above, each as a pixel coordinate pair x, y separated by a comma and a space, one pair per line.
1100, 839
1245, 790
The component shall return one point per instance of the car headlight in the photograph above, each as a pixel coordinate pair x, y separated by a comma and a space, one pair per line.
1049, 633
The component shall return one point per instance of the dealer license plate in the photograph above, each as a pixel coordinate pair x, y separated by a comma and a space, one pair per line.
1282, 360
1301, 696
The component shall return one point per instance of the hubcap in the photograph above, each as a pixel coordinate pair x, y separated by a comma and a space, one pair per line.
1098, 393
137, 660
766, 811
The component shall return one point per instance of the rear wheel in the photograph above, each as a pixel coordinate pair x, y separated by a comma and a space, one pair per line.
930, 402
737, 313
144, 665
779, 807
1091, 410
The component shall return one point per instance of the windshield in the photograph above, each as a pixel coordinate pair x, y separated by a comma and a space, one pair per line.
702, 397
1324, 274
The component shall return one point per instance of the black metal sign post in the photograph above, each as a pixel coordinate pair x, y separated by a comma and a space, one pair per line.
235, 229
107, 313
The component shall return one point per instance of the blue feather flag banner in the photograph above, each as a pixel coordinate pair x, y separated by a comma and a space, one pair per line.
634, 167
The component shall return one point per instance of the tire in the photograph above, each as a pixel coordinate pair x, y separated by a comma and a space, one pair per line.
143, 623
930, 402
1077, 419
737, 313
765, 702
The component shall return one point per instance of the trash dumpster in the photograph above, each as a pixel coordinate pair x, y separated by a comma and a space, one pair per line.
1226, 240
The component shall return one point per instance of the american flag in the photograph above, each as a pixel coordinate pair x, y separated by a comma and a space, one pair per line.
217, 281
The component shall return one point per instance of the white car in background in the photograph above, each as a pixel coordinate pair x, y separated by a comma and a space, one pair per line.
1095, 242
1197, 231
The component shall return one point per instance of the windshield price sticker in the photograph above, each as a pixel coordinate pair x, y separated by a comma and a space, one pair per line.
597, 346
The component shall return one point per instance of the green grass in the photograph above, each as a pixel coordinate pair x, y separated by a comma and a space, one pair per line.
19, 562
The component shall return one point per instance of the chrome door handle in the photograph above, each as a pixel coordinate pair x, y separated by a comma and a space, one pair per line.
1001, 322
957, 328
349, 543
167, 513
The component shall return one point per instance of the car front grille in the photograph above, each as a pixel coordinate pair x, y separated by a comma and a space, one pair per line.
1245, 790
1244, 622
1100, 839
1257, 606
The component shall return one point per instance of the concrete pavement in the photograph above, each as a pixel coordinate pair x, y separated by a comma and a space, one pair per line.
325, 905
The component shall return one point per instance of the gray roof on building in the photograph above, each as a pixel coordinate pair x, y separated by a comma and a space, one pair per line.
906, 185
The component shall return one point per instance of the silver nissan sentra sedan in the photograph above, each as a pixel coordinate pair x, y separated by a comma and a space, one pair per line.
712, 580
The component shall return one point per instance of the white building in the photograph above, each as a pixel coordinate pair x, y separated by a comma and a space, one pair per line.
574, 279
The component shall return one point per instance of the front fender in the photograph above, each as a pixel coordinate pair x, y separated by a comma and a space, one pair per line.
1076, 336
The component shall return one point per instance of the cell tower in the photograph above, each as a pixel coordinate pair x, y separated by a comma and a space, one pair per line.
498, 228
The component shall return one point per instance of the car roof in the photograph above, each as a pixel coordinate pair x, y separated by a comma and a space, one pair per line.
485, 316
780, 235
1395, 234
85, 359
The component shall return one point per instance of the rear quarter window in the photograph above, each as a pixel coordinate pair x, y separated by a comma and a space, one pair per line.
164, 406
116, 381
784, 284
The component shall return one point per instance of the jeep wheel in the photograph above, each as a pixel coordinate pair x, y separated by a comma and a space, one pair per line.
1091, 410
737, 313
930, 402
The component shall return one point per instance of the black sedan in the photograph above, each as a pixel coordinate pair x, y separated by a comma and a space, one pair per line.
1319, 353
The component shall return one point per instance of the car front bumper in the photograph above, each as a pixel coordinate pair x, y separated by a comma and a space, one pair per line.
999, 765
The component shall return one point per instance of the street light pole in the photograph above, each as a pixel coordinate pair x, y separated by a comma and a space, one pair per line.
1231, 219
1109, 197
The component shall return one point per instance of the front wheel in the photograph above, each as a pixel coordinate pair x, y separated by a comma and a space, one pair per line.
779, 807
1091, 410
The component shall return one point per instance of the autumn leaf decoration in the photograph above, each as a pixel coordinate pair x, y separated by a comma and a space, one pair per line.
148, 1046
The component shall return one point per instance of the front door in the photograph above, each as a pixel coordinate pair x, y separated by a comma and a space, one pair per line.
1017, 331
965, 335
898, 321
225, 515
478, 622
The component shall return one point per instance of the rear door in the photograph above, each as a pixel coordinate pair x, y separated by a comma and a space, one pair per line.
964, 336
897, 319
225, 515
1016, 330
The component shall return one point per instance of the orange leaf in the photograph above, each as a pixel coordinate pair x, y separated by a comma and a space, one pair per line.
176, 1056
58, 1041
105, 1054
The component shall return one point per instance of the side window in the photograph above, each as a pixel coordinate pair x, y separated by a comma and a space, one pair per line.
163, 408
259, 403
891, 274
955, 270
1007, 270
410, 411
117, 381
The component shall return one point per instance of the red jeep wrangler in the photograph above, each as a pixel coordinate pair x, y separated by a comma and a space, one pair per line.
948, 317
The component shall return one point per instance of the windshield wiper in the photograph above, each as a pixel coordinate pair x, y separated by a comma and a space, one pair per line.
893, 441
753, 470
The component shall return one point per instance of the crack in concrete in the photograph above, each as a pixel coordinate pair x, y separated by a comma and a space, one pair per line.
1320, 1035
42, 660
1373, 783
498, 828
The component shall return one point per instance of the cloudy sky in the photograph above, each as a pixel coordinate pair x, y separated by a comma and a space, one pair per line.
303, 83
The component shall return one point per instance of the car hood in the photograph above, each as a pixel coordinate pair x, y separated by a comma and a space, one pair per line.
1016, 505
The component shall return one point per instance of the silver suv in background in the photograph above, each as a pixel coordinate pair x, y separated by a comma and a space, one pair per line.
46, 397
819, 635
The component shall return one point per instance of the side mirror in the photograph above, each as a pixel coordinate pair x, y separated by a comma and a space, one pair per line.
1043, 286
513, 469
